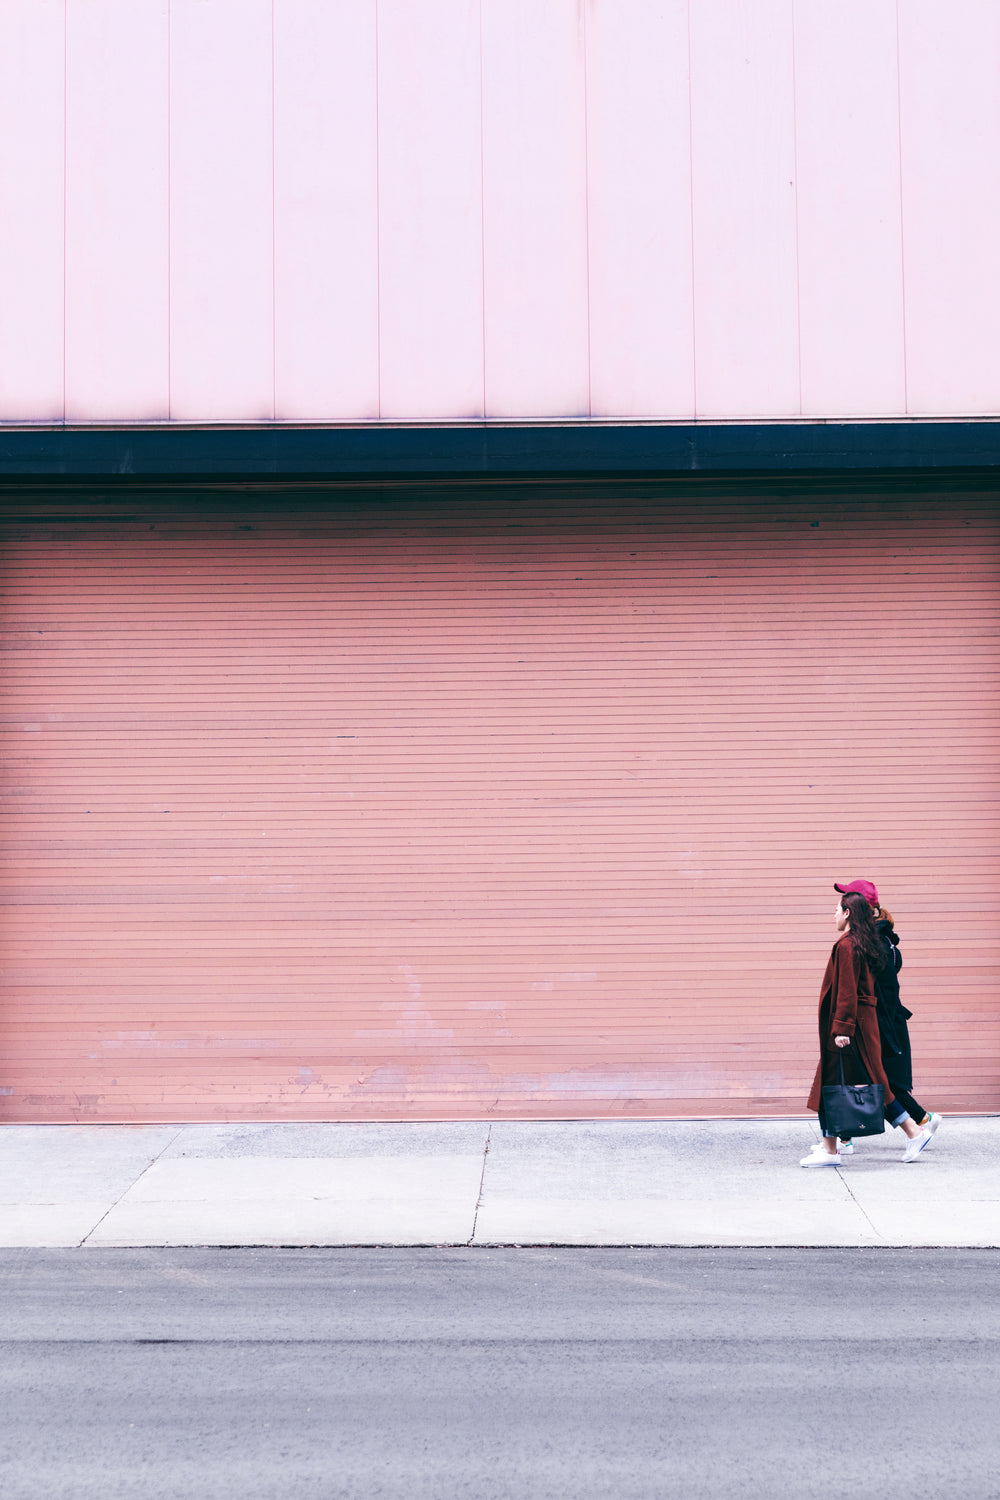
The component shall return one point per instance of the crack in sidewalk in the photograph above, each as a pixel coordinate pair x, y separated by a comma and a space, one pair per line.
482, 1180
858, 1205
95, 1227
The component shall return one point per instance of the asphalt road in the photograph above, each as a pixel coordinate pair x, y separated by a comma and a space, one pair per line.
489, 1373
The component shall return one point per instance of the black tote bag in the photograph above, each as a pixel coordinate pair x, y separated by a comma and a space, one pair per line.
853, 1108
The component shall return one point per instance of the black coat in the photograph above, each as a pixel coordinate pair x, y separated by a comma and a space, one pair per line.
893, 1014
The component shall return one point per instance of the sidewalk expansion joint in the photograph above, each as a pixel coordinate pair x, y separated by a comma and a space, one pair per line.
482, 1181
95, 1227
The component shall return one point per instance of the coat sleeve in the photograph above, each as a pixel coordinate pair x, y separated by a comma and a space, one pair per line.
845, 993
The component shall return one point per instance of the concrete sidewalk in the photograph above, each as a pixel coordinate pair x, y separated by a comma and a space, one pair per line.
717, 1182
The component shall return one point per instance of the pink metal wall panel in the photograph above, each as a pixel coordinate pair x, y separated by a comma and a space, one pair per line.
263, 208
221, 211
326, 211
430, 209
535, 209
950, 135
743, 155
639, 208
849, 227
117, 275
32, 160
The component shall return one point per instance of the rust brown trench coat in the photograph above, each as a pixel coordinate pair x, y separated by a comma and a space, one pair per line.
847, 1008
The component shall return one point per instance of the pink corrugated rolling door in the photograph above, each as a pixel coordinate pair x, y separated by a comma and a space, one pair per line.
455, 802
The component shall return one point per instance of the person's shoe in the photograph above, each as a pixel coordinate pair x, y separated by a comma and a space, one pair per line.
933, 1123
914, 1147
847, 1148
820, 1157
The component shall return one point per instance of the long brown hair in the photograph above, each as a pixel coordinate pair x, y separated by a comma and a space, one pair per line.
863, 933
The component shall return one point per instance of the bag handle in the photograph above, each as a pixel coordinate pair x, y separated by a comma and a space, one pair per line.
861, 1065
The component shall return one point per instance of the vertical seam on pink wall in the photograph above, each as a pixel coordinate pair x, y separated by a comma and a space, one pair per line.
274, 272
482, 203
378, 231
795, 199
170, 323
694, 312
64, 186
586, 205
902, 249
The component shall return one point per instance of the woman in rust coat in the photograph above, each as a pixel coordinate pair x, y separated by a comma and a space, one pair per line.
847, 1015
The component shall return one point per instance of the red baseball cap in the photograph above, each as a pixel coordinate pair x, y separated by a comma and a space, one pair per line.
863, 888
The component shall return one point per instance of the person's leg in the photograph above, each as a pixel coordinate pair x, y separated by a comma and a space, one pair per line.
829, 1141
925, 1119
824, 1153
900, 1120
913, 1109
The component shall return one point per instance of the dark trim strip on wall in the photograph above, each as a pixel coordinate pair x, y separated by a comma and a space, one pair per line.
491, 449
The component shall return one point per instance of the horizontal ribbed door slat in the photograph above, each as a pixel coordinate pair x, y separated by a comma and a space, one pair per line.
523, 802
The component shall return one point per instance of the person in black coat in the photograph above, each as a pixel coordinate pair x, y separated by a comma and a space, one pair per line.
892, 1016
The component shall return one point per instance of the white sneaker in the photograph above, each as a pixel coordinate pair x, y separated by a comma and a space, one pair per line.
821, 1158
933, 1123
914, 1147
844, 1147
